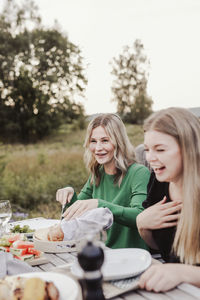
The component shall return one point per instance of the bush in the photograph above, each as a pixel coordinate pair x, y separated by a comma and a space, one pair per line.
33, 183
30, 175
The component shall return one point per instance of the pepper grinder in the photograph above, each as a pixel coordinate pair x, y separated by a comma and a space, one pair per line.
91, 259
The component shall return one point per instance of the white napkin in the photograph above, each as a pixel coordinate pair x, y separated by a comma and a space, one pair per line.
92, 221
12, 266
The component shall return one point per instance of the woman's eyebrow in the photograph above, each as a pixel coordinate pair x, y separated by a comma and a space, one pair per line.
104, 137
156, 145
159, 145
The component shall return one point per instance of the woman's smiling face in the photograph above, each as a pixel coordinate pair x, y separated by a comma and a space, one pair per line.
102, 148
164, 156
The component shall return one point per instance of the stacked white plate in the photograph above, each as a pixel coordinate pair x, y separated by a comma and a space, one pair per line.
120, 263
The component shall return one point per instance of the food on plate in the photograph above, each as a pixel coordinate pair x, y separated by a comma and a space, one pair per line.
19, 246
53, 233
21, 229
7, 239
21, 288
41, 234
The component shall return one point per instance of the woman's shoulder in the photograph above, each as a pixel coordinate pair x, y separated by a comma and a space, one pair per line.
139, 172
136, 167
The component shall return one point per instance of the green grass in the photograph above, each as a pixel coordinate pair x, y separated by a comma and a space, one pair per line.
31, 174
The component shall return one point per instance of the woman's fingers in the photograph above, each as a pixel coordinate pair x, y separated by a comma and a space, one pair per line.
57, 195
168, 224
73, 210
171, 205
170, 218
61, 196
80, 207
149, 279
160, 215
173, 209
169, 221
64, 195
162, 201
70, 195
145, 277
168, 208
76, 213
161, 277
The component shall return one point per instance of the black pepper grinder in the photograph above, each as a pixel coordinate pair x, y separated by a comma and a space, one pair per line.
91, 259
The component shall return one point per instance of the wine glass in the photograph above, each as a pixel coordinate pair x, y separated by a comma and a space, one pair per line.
5, 215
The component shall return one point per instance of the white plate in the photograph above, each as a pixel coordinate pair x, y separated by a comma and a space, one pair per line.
66, 286
35, 223
120, 263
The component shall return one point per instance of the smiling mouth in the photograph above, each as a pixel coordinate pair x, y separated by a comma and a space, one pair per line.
101, 154
158, 169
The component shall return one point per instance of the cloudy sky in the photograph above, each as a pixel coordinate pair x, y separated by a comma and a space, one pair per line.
169, 30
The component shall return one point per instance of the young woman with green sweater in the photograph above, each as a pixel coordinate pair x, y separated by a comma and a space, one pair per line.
116, 181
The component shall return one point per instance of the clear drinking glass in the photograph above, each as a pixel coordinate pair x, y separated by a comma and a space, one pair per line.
5, 215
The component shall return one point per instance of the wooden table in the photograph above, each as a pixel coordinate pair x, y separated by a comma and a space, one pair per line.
61, 263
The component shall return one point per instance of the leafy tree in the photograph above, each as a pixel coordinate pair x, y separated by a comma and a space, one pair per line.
129, 86
41, 75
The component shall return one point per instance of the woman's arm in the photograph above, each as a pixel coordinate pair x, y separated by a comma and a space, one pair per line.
146, 235
67, 194
130, 197
157, 216
77, 207
80, 207
133, 193
163, 277
64, 195
87, 191
67, 197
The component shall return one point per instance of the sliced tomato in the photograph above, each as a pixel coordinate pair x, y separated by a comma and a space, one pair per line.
22, 244
34, 252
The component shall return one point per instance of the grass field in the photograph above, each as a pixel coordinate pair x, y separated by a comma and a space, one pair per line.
31, 174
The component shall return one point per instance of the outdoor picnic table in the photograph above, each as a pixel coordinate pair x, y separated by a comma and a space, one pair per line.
62, 262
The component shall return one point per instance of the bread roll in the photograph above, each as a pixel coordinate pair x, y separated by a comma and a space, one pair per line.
21, 288
34, 289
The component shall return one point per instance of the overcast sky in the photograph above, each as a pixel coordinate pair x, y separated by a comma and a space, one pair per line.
169, 30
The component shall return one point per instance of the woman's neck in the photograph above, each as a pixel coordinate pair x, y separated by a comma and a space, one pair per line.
175, 191
110, 169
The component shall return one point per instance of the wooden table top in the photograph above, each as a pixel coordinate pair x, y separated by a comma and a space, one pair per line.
61, 262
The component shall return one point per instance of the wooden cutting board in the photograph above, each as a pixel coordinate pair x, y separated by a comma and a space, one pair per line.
38, 261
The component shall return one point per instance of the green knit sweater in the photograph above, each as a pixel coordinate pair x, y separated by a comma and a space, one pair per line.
125, 202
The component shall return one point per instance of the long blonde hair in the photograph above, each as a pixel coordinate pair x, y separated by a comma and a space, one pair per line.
124, 154
181, 124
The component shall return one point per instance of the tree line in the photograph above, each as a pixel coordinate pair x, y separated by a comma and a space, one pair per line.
42, 74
